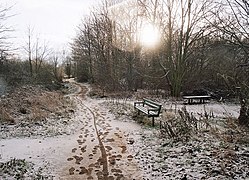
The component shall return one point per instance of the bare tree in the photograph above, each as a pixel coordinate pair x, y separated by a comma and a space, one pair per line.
82, 50
42, 52
93, 49
182, 24
68, 66
4, 34
232, 19
55, 62
4, 28
29, 50
36, 51
107, 46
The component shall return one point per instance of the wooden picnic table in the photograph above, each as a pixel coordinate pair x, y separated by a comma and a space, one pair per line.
198, 99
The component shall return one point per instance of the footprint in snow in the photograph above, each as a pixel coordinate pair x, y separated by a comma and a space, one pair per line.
71, 170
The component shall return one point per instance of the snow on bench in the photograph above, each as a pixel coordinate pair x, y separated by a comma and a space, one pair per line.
148, 107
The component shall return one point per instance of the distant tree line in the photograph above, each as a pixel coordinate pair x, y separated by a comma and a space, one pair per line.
197, 47
204, 45
39, 63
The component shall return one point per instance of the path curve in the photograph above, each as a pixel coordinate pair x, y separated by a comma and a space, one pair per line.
102, 151
101, 146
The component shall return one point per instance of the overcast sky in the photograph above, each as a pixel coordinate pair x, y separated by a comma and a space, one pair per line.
53, 20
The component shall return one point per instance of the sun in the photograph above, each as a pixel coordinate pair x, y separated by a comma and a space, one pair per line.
149, 35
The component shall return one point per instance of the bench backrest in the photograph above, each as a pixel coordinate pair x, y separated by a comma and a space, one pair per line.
152, 104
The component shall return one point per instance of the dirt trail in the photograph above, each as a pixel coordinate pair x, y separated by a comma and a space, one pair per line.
101, 151
97, 150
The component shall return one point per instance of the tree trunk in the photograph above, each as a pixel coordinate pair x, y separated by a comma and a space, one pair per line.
244, 112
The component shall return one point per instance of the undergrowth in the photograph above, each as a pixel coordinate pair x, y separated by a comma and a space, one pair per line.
183, 125
20, 169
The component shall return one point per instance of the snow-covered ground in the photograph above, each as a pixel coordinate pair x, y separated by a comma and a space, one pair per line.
217, 109
133, 150
206, 155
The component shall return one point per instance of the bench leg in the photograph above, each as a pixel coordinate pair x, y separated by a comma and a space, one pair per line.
153, 121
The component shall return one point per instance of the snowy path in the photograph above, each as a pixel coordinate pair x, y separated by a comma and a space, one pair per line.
101, 151
98, 151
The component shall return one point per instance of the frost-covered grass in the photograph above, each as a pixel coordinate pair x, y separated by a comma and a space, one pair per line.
20, 169
206, 142
195, 145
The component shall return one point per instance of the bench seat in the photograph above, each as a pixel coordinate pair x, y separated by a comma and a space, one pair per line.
149, 112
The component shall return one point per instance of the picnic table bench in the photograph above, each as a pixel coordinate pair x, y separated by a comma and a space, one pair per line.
148, 107
198, 99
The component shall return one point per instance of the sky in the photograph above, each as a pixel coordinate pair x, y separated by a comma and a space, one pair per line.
53, 21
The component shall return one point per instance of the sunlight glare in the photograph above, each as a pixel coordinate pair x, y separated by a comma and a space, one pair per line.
149, 35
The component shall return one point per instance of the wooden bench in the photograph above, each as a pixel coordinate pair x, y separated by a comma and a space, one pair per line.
198, 99
148, 107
